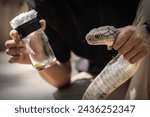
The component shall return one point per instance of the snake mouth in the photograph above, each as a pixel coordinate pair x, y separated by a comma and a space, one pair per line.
91, 42
96, 42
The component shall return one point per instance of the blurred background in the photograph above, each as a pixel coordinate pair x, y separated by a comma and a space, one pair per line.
8, 9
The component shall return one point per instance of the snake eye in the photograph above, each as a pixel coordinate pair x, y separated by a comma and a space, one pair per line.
97, 36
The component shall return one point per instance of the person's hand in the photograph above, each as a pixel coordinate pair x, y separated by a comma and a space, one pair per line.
133, 43
17, 48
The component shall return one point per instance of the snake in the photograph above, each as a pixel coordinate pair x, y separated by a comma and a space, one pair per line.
117, 71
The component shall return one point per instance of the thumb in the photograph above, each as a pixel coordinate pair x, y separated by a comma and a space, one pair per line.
43, 24
14, 35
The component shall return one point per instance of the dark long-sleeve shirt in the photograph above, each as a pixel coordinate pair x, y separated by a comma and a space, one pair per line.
68, 22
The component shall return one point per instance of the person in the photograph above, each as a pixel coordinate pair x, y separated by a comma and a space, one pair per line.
66, 22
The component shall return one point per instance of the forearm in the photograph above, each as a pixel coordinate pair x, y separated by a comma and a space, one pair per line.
58, 75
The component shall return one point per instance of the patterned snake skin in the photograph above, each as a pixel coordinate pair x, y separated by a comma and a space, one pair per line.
115, 73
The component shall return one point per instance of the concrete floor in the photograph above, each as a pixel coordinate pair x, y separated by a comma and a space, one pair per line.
22, 82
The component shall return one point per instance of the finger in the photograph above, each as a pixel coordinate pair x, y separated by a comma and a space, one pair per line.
135, 50
137, 57
10, 44
13, 59
13, 44
122, 38
14, 51
16, 59
43, 24
130, 54
133, 41
14, 35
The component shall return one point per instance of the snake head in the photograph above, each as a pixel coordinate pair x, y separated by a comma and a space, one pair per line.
104, 35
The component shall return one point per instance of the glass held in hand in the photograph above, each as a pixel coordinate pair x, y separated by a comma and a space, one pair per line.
39, 49
37, 44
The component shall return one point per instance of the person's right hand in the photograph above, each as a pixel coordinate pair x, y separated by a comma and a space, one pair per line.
17, 49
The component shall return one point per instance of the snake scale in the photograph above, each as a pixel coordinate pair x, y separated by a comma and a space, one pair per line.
115, 73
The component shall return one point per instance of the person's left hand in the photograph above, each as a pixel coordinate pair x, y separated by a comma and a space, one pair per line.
133, 43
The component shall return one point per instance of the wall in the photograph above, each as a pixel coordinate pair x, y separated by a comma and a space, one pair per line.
8, 10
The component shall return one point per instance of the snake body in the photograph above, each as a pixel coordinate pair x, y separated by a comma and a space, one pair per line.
115, 73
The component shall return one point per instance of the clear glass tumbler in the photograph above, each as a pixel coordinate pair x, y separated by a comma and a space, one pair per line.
37, 44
